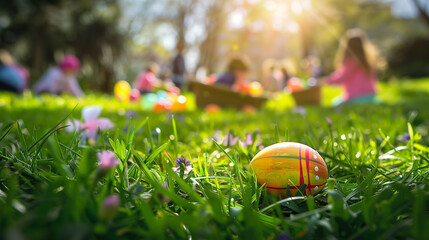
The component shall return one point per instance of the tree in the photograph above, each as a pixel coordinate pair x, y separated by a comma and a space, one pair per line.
47, 28
423, 11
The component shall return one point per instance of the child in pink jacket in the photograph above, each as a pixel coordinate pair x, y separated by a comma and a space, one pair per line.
147, 81
61, 79
356, 73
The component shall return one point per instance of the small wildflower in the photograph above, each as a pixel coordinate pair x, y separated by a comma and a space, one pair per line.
164, 198
183, 162
110, 207
230, 140
73, 125
107, 160
131, 114
329, 121
283, 236
91, 123
405, 137
300, 110
250, 141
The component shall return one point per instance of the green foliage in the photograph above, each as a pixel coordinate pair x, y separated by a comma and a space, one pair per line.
410, 57
51, 187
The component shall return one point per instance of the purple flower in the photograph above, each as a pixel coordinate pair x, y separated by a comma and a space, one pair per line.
183, 162
130, 114
405, 137
300, 110
107, 160
110, 206
329, 121
283, 236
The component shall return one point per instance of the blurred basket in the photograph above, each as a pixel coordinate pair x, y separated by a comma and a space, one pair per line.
222, 96
309, 96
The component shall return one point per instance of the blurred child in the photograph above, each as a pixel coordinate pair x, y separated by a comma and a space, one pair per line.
236, 75
10, 80
61, 79
165, 81
8, 60
312, 66
356, 71
147, 81
272, 80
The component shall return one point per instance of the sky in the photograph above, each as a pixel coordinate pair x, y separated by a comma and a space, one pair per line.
403, 8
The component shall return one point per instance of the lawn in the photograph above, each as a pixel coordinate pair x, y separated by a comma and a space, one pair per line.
52, 187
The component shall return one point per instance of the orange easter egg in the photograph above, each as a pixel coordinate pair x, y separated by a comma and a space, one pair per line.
295, 84
179, 104
212, 108
290, 163
249, 109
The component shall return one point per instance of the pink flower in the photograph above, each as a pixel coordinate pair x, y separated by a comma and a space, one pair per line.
107, 160
91, 123
249, 140
230, 140
73, 125
110, 206
329, 121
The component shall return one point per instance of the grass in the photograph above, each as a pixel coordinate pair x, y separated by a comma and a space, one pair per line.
50, 185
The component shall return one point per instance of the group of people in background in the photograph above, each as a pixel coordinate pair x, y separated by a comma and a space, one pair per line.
355, 72
62, 78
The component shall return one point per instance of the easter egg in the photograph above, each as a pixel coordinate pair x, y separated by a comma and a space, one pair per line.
292, 164
179, 104
159, 107
249, 109
149, 100
174, 90
212, 108
295, 84
122, 90
243, 88
135, 95
256, 89
162, 95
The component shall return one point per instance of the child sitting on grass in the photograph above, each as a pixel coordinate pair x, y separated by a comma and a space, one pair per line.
61, 79
10, 80
356, 69
147, 81
236, 75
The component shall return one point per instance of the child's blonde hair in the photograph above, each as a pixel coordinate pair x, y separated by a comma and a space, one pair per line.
356, 45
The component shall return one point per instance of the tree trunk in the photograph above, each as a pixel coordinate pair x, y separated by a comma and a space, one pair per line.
422, 12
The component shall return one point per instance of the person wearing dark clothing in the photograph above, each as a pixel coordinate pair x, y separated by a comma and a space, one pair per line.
10, 80
235, 75
179, 68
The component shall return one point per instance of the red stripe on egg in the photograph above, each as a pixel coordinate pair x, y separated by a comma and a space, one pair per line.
301, 175
307, 163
